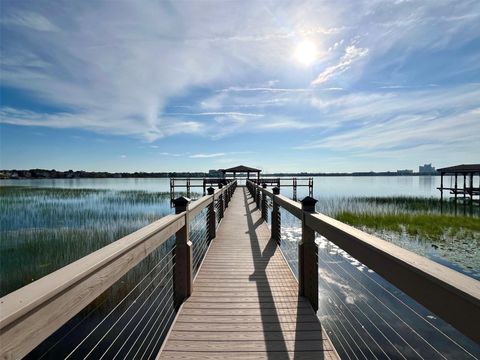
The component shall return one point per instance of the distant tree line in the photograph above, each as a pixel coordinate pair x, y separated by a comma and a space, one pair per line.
79, 174
359, 173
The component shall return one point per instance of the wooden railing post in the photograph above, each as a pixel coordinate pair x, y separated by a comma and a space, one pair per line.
227, 197
183, 255
211, 217
221, 199
308, 258
264, 205
276, 220
257, 197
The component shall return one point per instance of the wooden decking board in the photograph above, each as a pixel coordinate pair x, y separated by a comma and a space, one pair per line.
243, 312
247, 305
250, 327
183, 355
244, 335
281, 345
245, 302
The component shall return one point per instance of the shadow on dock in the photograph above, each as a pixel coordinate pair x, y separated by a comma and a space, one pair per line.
276, 344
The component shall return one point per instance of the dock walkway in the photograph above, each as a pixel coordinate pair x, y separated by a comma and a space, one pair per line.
245, 302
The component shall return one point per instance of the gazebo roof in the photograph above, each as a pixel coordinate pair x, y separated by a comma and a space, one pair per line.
463, 168
240, 169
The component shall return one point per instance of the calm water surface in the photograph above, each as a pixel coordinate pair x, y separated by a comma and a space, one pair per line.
424, 186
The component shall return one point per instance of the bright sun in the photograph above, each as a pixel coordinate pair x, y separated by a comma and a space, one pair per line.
306, 53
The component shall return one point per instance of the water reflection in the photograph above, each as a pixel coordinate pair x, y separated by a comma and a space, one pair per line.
323, 186
426, 183
367, 317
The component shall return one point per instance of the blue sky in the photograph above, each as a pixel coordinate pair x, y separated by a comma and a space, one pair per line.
195, 85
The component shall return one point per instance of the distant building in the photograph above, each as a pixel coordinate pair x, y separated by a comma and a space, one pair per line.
426, 169
405, 172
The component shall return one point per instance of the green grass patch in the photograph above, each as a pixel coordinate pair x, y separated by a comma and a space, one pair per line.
44, 229
426, 226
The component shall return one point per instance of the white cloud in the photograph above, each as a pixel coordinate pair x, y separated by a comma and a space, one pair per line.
408, 133
171, 154
98, 122
373, 107
221, 113
264, 89
206, 156
30, 20
336, 45
288, 123
351, 55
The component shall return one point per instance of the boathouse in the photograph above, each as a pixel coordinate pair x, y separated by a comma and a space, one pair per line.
241, 169
468, 190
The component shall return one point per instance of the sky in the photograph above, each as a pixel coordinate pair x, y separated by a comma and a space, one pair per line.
289, 86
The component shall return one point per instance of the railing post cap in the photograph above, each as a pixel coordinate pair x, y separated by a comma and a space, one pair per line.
308, 203
181, 201
220, 185
264, 185
276, 190
210, 190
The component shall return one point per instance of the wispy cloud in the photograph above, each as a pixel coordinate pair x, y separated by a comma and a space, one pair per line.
171, 154
406, 133
206, 156
352, 54
289, 123
29, 20
264, 89
222, 113
91, 121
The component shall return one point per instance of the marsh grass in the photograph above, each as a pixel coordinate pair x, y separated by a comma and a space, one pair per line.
420, 217
416, 224
44, 229
428, 226
385, 205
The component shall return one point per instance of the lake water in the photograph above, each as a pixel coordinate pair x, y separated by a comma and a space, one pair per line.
328, 186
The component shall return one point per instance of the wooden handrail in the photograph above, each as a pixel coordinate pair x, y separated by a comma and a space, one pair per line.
32, 313
451, 295
198, 205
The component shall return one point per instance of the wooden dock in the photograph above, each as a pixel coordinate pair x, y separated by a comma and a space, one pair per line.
245, 302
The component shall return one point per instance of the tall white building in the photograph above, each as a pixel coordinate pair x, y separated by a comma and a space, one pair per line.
426, 169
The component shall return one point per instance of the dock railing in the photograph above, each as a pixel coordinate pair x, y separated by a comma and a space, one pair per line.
32, 313
454, 297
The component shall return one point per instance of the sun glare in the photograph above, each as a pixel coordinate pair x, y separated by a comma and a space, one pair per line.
306, 53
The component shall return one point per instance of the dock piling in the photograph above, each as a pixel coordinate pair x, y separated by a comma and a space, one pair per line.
264, 204
308, 257
211, 225
183, 280
276, 217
